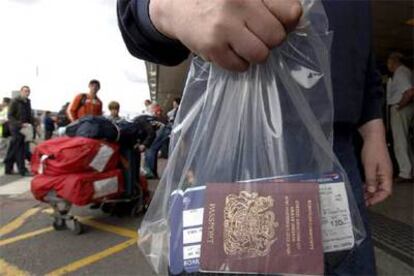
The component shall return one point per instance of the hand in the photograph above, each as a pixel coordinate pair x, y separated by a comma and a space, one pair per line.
376, 162
229, 33
141, 148
407, 98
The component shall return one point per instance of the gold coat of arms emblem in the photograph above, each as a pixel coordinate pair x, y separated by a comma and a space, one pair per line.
249, 225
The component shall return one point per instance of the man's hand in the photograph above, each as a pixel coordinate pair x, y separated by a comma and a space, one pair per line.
376, 162
407, 98
229, 33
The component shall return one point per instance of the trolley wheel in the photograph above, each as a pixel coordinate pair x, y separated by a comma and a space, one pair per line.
107, 208
59, 224
75, 226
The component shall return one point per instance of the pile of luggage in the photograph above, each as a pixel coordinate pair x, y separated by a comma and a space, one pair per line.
79, 170
96, 162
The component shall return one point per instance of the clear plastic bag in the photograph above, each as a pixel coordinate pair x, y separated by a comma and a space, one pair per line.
270, 124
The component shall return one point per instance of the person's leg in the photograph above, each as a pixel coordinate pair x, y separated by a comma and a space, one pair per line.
165, 149
151, 154
138, 170
10, 155
16, 153
48, 134
407, 117
150, 157
361, 259
399, 127
28, 152
22, 155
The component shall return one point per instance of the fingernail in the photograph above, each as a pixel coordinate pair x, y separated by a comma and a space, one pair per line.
372, 189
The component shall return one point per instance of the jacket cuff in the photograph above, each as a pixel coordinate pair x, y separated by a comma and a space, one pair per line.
144, 20
371, 111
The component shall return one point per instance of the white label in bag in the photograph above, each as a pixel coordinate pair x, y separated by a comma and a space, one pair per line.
192, 235
306, 77
336, 220
101, 158
191, 252
193, 217
105, 187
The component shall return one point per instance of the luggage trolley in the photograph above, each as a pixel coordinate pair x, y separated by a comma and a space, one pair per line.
62, 219
135, 199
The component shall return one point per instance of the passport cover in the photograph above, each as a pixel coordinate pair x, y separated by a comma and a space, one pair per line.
262, 228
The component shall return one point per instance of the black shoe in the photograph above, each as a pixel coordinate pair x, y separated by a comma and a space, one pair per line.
8, 170
95, 206
26, 174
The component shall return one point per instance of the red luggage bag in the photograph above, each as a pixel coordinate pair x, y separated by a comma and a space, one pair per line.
68, 155
79, 189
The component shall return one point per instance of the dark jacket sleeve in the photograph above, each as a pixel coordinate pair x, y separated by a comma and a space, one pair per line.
32, 119
373, 93
142, 39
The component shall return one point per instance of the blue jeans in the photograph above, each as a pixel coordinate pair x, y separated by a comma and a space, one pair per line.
361, 259
151, 153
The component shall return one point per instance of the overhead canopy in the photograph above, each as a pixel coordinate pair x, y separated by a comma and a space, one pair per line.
392, 30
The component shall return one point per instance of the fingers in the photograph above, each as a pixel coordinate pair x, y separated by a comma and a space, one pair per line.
383, 188
370, 177
270, 36
383, 181
233, 34
377, 197
248, 46
287, 11
371, 183
244, 48
385, 174
228, 59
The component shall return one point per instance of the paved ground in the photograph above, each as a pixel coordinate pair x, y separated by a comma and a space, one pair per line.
30, 246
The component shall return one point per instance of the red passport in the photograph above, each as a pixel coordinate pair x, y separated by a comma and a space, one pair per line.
262, 228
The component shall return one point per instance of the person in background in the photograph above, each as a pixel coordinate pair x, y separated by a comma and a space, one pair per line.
399, 100
20, 117
158, 113
4, 126
162, 140
114, 112
173, 112
49, 125
147, 109
86, 103
171, 117
4, 109
237, 34
62, 119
